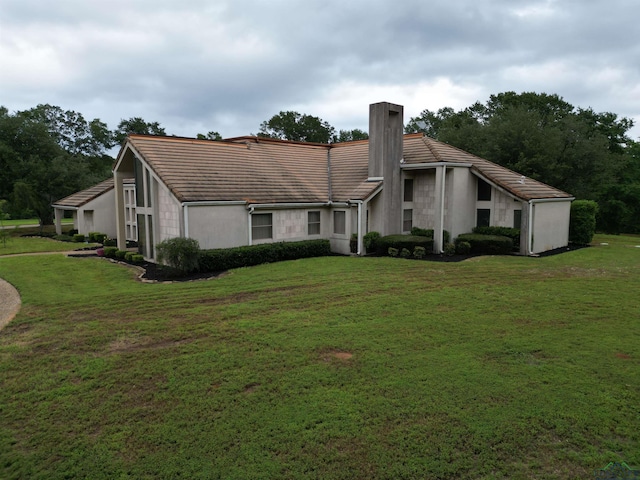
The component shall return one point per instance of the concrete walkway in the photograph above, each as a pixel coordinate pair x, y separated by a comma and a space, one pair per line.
9, 303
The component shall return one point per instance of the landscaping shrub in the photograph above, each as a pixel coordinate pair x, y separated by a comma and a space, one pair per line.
110, 252
128, 256
371, 241
180, 253
353, 243
419, 253
78, 238
72, 232
405, 253
96, 237
512, 233
227, 258
110, 242
393, 252
486, 244
428, 232
449, 249
410, 242
120, 254
463, 248
137, 258
582, 225
63, 238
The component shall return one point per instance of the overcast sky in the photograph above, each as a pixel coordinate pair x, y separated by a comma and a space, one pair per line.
227, 65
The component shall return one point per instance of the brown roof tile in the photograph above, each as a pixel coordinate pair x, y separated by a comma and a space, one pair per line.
83, 197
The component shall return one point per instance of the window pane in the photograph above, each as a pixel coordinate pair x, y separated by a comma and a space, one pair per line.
484, 190
313, 223
139, 172
339, 222
517, 218
484, 217
261, 226
407, 220
408, 190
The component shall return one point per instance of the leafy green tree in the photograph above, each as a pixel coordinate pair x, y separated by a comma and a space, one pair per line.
297, 127
136, 125
209, 136
351, 135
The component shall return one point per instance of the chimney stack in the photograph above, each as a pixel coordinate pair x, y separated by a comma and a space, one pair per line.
386, 127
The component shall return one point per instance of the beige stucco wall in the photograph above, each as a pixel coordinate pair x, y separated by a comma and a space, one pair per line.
424, 199
550, 225
218, 226
104, 216
460, 213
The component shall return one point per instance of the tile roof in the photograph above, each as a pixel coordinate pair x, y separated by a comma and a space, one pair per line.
263, 170
83, 197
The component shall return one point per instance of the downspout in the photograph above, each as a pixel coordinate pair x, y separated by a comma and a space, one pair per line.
441, 213
360, 239
329, 174
186, 220
251, 209
530, 236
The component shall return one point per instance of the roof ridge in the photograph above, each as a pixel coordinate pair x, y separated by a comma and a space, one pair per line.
427, 141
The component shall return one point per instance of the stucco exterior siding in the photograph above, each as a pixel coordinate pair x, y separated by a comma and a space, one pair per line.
550, 225
460, 216
97, 215
217, 226
424, 199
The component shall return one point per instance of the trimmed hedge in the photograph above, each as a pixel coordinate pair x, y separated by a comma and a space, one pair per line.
486, 244
227, 258
110, 252
410, 242
78, 237
582, 225
428, 232
180, 253
512, 233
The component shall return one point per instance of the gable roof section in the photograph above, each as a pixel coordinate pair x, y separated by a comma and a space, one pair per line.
83, 197
264, 170
522, 187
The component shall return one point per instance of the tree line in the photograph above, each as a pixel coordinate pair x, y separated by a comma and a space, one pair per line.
47, 153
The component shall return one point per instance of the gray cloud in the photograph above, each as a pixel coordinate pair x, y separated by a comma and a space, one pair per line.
195, 67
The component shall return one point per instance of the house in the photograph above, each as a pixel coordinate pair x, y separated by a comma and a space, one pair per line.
94, 209
250, 190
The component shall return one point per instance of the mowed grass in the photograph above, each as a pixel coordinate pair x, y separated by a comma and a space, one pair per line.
16, 243
328, 368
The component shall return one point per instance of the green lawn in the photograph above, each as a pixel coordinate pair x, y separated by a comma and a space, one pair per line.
31, 221
328, 368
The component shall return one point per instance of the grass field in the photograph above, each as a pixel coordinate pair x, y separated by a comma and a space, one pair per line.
328, 368
15, 242
31, 221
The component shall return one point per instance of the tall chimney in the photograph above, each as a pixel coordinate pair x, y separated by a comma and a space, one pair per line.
385, 152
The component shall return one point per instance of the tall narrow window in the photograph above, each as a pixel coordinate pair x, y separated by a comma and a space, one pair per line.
484, 190
339, 222
313, 223
408, 189
517, 219
407, 220
261, 226
484, 217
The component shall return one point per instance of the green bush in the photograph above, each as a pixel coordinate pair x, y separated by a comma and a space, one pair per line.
428, 232
449, 249
110, 252
410, 242
419, 252
486, 244
227, 258
137, 258
120, 254
393, 252
78, 238
405, 253
180, 253
582, 225
512, 233
72, 232
110, 242
353, 243
463, 248
128, 256
371, 241
63, 238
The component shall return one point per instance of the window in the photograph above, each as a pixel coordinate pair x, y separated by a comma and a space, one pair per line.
517, 218
261, 226
408, 190
339, 222
407, 220
484, 190
484, 217
313, 223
